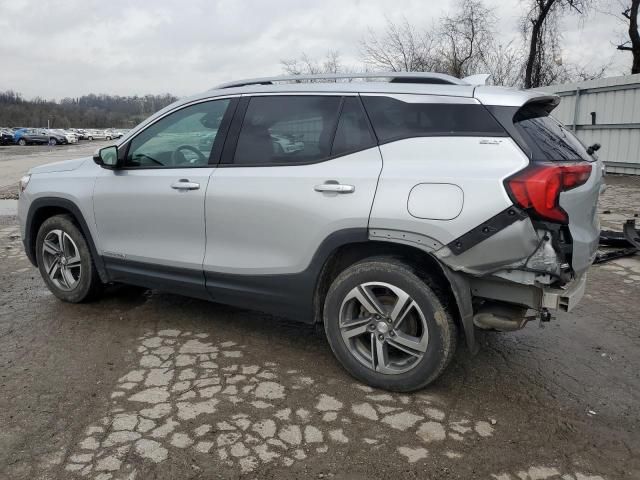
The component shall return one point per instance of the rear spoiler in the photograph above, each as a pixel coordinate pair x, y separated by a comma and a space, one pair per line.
477, 80
510, 97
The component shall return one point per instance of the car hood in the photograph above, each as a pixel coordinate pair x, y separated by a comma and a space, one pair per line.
63, 166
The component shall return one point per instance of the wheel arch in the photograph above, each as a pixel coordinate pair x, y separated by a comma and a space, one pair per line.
453, 287
46, 207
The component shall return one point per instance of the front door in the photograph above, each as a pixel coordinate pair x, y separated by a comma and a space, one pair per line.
150, 212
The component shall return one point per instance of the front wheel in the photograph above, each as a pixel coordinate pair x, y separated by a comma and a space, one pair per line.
387, 327
22, 142
53, 142
64, 260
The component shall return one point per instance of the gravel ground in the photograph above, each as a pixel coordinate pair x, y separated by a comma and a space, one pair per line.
143, 384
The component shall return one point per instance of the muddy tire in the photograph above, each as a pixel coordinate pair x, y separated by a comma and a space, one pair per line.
387, 327
65, 261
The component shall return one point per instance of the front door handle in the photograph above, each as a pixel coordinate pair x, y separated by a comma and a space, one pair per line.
185, 184
334, 187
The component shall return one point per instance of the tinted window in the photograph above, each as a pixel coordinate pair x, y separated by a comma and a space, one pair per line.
547, 138
287, 129
182, 139
353, 129
393, 119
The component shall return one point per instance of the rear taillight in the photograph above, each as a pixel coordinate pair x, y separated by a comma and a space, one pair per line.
538, 187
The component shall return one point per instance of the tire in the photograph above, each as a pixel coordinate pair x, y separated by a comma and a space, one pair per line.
107, 138
90, 139
388, 280
57, 230
22, 142
53, 142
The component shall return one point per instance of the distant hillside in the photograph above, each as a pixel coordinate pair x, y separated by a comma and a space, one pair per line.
88, 111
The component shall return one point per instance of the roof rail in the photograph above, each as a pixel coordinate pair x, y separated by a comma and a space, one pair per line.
393, 77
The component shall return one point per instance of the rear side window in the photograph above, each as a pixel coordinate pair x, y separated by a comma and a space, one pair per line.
547, 139
353, 131
287, 129
394, 119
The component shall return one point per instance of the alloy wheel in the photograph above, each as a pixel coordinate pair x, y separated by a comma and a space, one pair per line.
61, 260
383, 327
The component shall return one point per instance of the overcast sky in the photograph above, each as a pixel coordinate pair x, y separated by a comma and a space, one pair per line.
64, 48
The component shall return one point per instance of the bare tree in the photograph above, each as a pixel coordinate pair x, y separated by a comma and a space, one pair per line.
540, 27
305, 65
630, 13
466, 35
504, 63
462, 43
401, 47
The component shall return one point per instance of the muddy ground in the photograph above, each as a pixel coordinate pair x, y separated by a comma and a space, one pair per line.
143, 384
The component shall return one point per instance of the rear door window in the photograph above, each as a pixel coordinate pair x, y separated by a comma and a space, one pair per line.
547, 139
287, 129
353, 132
394, 119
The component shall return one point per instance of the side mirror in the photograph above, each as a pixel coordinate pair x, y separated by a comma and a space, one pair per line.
107, 157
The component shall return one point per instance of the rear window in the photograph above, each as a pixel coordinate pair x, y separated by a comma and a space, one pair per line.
547, 139
394, 119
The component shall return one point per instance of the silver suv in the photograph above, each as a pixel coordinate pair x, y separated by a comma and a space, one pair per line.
399, 212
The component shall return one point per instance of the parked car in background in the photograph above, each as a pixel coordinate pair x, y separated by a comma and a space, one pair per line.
6, 136
112, 134
96, 135
30, 136
34, 136
62, 137
80, 133
57, 137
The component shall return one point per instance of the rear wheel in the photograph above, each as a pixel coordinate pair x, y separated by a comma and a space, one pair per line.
65, 261
53, 142
387, 326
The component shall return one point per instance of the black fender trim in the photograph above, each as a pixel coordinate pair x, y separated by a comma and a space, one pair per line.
30, 235
461, 289
487, 229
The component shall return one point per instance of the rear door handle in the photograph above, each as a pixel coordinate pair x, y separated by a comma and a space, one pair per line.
335, 188
185, 184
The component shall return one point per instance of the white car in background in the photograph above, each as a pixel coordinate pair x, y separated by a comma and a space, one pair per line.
112, 134
69, 135
96, 135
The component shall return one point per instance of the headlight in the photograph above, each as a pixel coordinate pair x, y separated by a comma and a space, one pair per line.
24, 181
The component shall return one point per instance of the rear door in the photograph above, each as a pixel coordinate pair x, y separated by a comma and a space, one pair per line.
292, 182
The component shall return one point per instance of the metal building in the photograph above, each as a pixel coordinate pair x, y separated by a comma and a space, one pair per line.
605, 111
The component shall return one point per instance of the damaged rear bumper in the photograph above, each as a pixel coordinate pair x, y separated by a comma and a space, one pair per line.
566, 298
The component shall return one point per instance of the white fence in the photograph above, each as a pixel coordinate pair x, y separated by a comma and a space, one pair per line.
605, 111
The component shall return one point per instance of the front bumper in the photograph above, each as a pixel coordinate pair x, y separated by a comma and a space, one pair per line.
564, 299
